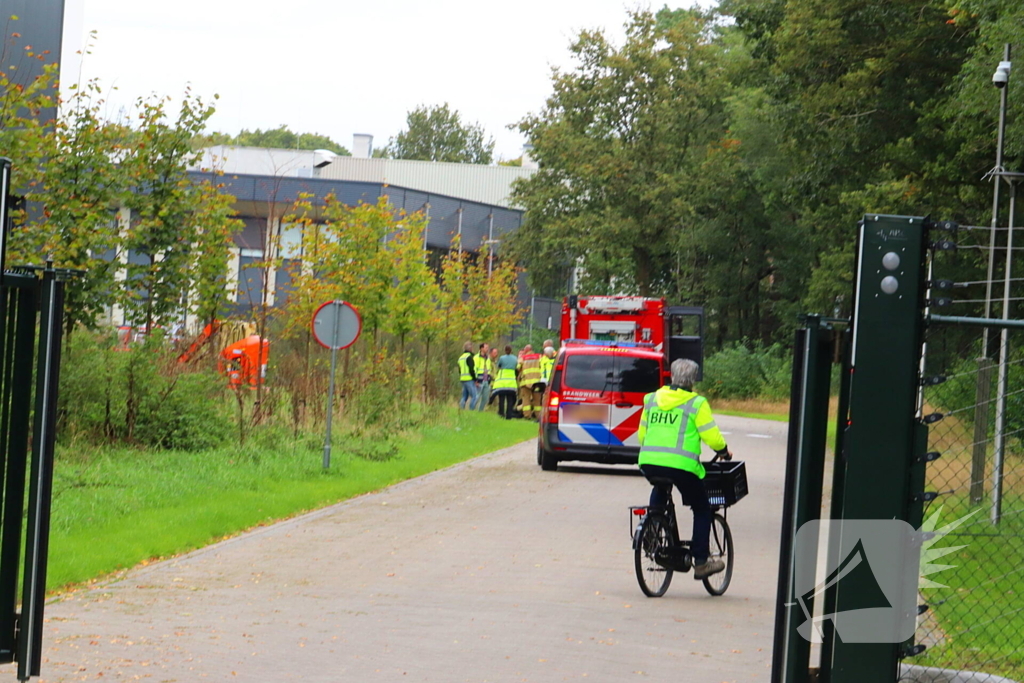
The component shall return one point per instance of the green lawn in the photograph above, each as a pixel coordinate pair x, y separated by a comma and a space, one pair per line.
980, 615
116, 508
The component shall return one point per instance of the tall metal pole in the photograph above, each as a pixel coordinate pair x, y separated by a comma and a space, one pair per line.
995, 202
330, 391
460, 229
490, 245
1004, 353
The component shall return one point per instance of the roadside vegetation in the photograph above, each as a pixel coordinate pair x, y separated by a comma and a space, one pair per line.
115, 507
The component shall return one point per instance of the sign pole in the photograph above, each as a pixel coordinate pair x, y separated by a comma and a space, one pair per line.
336, 325
330, 410
330, 391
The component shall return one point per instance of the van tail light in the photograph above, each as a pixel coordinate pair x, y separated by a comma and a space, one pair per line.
553, 400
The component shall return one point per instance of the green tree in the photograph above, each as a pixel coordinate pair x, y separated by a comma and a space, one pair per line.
164, 233
620, 144
82, 186
281, 137
414, 292
438, 134
841, 112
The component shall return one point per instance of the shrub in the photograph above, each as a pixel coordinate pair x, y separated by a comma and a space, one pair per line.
741, 372
140, 395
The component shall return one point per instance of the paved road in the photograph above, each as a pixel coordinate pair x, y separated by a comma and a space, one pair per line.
489, 571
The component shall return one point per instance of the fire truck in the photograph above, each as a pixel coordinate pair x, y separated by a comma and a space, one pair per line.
614, 350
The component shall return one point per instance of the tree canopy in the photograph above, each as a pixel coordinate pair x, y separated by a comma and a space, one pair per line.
438, 134
722, 158
281, 137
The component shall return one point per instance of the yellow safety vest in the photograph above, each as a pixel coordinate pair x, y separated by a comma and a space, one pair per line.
504, 379
672, 437
546, 365
464, 374
483, 366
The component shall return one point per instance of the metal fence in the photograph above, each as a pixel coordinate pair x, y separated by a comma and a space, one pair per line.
972, 572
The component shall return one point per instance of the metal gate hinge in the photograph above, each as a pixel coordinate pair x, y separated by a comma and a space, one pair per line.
943, 245
924, 497
942, 285
933, 380
938, 302
914, 651
932, 418
930, 456
921, 609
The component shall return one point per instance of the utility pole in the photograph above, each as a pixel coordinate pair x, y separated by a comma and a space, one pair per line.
1000, 79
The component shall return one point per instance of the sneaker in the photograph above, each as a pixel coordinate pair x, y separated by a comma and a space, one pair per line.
703, 571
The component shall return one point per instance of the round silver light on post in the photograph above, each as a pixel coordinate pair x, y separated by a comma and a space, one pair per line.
891, 261
890, 284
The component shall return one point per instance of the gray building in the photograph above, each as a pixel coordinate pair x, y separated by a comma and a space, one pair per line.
465, 201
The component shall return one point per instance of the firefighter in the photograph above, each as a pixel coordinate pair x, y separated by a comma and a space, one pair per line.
504, 386
530, 384
484, 376
674, 422
467, 375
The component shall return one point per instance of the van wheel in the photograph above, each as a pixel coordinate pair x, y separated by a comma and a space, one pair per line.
548, 460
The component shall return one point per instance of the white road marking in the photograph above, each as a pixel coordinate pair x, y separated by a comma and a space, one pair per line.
724, 433
759, 436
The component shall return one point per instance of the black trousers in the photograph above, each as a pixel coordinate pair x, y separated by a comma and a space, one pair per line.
692, 490
506, 402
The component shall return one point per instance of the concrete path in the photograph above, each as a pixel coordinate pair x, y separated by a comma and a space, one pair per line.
492, 570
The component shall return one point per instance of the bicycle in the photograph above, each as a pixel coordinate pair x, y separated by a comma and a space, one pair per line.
658, 552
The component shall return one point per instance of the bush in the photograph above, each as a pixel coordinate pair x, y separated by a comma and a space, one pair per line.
139, 396
741, 372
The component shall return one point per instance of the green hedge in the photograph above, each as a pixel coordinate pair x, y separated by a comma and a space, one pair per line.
739, 371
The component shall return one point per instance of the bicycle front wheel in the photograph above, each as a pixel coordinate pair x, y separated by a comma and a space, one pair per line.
721, 548
652, 577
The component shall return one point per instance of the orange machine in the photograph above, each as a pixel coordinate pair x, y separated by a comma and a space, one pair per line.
245, 362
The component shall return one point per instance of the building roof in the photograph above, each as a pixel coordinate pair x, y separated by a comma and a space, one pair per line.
475, 182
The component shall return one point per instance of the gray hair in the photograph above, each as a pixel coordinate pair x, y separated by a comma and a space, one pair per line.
684, 372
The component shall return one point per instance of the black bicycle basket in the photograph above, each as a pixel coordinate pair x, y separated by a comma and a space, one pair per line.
725, 482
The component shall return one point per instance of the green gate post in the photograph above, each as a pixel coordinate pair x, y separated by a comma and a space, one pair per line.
805, 470
884, 433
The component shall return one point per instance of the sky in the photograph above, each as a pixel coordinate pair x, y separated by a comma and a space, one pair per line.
338, 67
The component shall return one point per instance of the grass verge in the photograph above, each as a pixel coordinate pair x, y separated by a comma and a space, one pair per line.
117, 508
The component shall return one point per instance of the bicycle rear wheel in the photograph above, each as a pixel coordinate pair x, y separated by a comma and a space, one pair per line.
652, 577
721, 548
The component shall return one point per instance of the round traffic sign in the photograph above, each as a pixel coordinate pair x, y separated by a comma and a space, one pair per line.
336, 325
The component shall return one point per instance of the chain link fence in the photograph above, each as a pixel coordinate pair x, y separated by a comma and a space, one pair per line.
972, 570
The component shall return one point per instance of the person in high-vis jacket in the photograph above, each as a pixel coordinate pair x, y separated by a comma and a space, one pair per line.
467, 375
504, 386
530, 387
547, 365
673, 424
484, 376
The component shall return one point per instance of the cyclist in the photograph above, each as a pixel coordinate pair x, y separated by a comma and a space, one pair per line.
674, 422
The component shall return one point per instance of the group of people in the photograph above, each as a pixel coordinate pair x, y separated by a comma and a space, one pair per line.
515, 381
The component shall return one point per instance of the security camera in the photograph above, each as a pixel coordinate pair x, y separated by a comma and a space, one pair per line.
1002, 75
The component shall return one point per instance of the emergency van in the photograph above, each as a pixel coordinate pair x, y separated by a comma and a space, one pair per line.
614, 351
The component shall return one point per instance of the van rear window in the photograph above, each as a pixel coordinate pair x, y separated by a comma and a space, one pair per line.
590, 373
612, 373
640, 375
